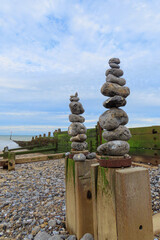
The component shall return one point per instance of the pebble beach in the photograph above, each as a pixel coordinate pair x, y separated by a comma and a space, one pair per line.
32, 200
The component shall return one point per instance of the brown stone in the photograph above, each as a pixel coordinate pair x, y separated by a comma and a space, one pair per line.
111, 89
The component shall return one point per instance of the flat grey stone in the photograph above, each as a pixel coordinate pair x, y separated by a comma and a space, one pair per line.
114, 60
114, 65
111, 89
56, 237
52, 223
79, 146
72, 237
114, 148
79, 157
42, 236
91, 155
87, 236
114, 71
79, 138
120, 133
113, 79
76, 128
116, 101
111, 119
76, 108
76, 118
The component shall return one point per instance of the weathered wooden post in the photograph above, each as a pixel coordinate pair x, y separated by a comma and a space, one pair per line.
44, 135
49, 134
79, 208
11, 161
5, 157
121, 197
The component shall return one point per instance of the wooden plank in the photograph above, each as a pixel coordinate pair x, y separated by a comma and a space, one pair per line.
94, 177
133, 204
145, 130
146, 159
151, 141
144, 152
156, 224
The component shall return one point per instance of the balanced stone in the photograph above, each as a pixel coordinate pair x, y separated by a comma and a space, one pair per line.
76, 118
79, 146
115, 71
114, 148
91, 155
114, 60
79, 157
74, 98
113, 79
76, 108
111, 119
120, 133
79, 138
114, 65
76, 128
116, 101
112, 89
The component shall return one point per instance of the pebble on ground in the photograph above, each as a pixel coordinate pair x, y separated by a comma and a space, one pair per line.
32, 200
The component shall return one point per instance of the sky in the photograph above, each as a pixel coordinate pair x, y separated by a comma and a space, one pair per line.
50, 49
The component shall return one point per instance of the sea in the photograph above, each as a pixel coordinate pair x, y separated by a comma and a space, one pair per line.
6, 141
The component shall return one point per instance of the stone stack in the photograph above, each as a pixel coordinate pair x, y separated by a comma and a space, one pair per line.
77, 131
114, 119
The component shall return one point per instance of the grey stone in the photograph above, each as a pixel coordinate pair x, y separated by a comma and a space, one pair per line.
113, 79
114, 148
42, 236
111, 119
67, 154
112, 89
114, 65
79, 157
35, 230
114, 71
116, 101
76, 108
79, 138
52, 223
76, 118
120, 133
56, 237
76, 128
74, 98
87, 236
79, 146
91, 155
72, 237
114, 60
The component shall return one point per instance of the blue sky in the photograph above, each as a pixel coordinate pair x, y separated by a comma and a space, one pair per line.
49, 49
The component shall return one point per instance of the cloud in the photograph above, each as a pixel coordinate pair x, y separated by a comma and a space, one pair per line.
51, 49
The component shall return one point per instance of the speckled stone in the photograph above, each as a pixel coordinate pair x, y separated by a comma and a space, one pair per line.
79, 157
76, 108
74, 98
112, 89
120, 133
76, 128
116, 101
79, 138
114, 71
91, 155
79, 146
114, 60
114, 65
113, 79
114, 148
111, 119
76, 118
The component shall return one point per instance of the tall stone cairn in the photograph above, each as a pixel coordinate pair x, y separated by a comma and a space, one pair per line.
114, 119
77, 130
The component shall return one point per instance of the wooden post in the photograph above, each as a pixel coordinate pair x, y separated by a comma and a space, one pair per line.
79, 214
122, 204
11, 161
49, 134
44, 135
5, 156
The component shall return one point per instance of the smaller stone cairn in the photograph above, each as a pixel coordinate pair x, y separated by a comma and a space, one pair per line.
77, 131
114, 119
